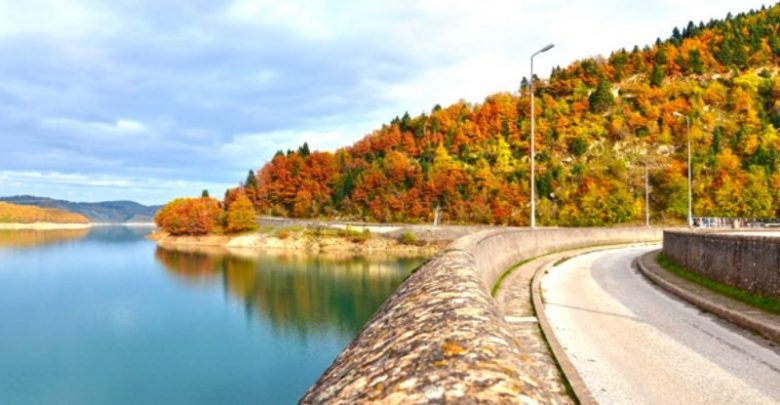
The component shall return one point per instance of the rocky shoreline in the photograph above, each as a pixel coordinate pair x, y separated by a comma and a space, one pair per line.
301, 242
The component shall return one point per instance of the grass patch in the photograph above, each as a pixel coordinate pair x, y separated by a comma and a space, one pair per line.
266, 229
408, 238
349, 233
509, 271
320, 231
767, 304
506, 274
354, 235
561, 260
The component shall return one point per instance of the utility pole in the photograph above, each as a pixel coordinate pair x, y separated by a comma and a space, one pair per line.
533, 147
647, 197
690, 178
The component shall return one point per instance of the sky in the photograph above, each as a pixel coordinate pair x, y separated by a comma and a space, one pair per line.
148, 100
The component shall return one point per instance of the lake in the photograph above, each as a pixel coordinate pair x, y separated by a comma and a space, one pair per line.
105, 316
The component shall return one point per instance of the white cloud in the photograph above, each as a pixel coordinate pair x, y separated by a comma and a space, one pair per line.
298, 18
487, 45
98, 129
203, 90
248, 150
125, 125
100, 187
55, 18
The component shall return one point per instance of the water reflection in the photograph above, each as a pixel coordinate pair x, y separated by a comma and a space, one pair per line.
117, 234
28, 238
301, 293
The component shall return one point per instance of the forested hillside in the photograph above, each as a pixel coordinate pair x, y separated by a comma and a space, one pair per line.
599, 121
106, 211
27, 214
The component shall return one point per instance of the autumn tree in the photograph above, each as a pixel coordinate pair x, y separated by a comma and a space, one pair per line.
471, 159
189, 216
240, 215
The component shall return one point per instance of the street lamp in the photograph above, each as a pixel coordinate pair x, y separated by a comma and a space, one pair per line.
647, 197
690, 182
533, 150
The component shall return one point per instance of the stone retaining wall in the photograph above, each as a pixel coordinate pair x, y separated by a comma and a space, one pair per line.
748, 262
441, 338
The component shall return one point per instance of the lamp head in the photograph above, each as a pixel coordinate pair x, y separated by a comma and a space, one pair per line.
547, 48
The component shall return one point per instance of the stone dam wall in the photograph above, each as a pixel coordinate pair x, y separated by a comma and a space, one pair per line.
749, 262
441, 337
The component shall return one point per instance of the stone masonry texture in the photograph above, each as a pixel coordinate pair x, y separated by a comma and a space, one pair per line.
749, 262
441, 337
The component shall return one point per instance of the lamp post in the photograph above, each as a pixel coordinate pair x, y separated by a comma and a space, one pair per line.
533, 149
690, 182
647, 198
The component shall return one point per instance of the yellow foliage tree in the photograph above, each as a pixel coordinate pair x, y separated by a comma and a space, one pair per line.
241, 215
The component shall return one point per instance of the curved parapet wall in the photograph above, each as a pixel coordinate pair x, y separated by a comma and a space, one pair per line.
440, 337
748, 262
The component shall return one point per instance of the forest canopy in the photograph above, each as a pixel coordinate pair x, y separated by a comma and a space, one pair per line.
26, 214
599, 123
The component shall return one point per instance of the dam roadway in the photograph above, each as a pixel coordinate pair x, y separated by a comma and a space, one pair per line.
633, 343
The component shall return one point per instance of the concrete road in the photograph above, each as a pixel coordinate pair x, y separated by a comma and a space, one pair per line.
633, 343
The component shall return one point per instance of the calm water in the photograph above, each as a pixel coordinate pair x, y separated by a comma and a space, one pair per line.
107, 317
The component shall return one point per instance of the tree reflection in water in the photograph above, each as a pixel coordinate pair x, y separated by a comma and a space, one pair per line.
303, 293
29, 238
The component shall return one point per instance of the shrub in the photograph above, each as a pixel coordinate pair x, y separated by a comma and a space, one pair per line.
360, 237
189, 216
408, 238
355, 235
241, 215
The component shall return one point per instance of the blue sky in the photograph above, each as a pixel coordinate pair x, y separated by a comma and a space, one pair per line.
150, 100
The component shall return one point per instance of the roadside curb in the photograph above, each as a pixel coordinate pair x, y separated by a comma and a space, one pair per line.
581, 391
767, 325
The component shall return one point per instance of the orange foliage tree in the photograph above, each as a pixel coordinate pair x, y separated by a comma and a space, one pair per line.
189, 216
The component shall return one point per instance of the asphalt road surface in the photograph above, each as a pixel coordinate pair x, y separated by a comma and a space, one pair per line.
633, 343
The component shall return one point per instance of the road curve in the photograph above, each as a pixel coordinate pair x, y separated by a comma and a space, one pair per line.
633, 343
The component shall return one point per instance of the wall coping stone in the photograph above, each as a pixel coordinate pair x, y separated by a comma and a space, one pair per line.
441, 337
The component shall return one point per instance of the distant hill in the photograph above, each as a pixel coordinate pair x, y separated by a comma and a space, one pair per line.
26, 214
107, 211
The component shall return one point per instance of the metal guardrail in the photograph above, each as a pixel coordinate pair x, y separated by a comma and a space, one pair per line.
728, 222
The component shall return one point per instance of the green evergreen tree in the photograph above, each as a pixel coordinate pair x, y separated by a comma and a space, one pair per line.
657, 76
601, 99
251, 180
676, 36
204, 193
406, 122
619, 60
689, 30
694, 61
724, 53
304, 150
524, 84
660, 56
